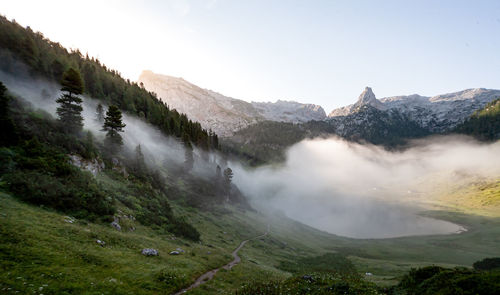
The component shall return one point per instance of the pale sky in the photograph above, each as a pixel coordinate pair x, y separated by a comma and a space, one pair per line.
322, 52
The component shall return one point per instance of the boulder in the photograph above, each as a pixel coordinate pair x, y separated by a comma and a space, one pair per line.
174, 253
69, 219
116, 225
308, 278
149, 252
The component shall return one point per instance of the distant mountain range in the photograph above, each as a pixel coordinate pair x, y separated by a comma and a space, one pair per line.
224, 115
435, 114
369, 118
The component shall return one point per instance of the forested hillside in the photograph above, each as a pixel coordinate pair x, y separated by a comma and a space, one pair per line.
484, 124
267, 141
50, 59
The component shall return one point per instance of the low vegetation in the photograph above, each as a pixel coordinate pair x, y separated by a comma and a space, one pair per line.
438, 280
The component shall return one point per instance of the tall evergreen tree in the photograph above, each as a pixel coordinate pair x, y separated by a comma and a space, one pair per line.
113, 125
140, 163
99, 112
228, 177
70, 109
188, 152
90, 150
218, 174
188, 158
7, 128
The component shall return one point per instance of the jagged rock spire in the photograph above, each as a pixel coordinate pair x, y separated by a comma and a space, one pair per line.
367, 97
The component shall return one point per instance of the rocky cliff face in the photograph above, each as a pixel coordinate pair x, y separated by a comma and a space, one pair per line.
289, 111
223, 114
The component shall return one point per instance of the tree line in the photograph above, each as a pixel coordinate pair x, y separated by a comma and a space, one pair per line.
484, 124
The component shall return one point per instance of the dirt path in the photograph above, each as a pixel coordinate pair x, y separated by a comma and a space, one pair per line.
210, 274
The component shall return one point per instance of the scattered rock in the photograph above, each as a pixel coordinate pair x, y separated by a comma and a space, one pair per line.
101, 243
112, 280
69, 219
116, 225
308, 278
150, 252
368, 274
174, 253
95, 166
180, 250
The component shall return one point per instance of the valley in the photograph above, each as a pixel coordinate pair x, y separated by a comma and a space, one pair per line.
67, 256
159, 186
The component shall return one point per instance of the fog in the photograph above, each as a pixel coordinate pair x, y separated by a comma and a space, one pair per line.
158, 149
364, 191
348, 189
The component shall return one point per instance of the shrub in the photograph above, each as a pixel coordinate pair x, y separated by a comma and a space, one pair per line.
77, 194
171, 279
487, 264
181, 228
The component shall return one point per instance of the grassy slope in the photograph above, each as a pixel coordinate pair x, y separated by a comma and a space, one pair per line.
41, 248
481, 197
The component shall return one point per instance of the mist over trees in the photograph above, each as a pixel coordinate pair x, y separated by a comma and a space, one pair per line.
99, 112
6, 123
50, 59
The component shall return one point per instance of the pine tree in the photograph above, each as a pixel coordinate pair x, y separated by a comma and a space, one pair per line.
228, 177
218, 174
188, 152
7, 127
140, 163
188, 158
99, 112
90, 149
70, 109
113, 125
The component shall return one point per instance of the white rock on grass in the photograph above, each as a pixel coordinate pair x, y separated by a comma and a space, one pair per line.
150, 252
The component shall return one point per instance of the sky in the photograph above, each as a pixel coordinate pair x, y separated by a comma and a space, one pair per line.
321, 52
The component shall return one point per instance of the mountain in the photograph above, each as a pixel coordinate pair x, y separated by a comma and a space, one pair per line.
367, 97
389, 122
224, 115
436, 114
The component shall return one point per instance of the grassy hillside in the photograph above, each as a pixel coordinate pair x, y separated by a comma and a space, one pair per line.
41, 247
480, 197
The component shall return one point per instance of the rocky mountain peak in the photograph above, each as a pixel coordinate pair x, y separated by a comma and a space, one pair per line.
223, 114
367, 97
